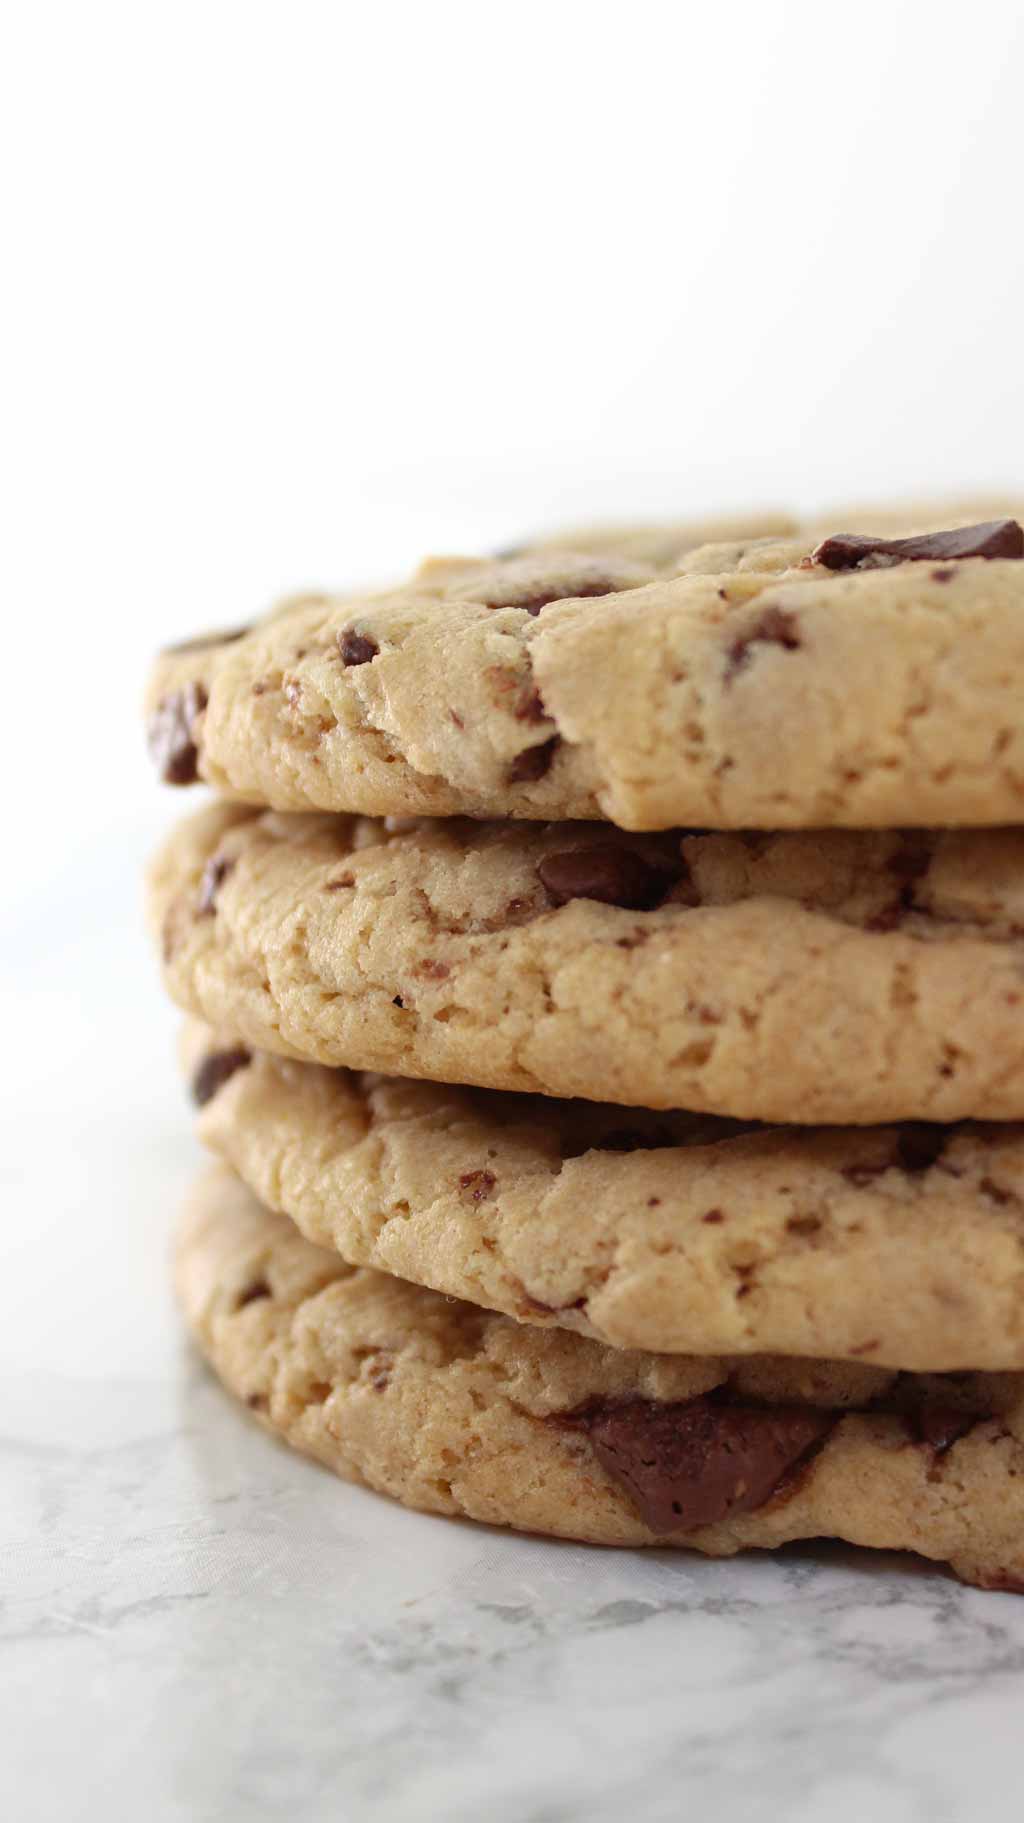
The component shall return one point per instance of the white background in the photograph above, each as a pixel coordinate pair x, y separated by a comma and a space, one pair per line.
293, 293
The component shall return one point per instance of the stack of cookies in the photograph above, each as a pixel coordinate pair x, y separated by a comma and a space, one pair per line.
605, 979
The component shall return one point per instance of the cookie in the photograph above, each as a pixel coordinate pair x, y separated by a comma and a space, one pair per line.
903, 1247
457, 1410
838, 977
777, 691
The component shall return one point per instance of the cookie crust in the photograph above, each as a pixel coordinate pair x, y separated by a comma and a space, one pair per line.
459, 1411
828, 978
600, 686
675, 1233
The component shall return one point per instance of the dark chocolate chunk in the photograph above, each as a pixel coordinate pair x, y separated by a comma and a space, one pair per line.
214, 1071
356, 648
533, 762
940, 1426
608, 873
850, 551
689, 1465
171, 746
204, 641
773, 627
214, 874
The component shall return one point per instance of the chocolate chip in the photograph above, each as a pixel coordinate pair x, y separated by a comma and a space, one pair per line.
773, 627
533, 762
608, 873
477, 1186
172, 749
205, 640
941, 1426
920, 1145
849, 551
214, 874
356, 648
214, 1071
689, 1465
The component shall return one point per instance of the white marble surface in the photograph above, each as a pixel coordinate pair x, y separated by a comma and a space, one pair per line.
196, 1625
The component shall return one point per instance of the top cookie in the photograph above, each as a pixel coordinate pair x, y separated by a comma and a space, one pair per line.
851, 681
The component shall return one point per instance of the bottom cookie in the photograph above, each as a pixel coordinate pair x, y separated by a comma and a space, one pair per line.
453, 1409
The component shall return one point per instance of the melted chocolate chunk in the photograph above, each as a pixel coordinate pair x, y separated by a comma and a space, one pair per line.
172, 749
214, 1071
774, 627
920, 1145
214, 874
205, 640
356, 648
849, 551
608, 873
689, 1465
533, 762
940, 1426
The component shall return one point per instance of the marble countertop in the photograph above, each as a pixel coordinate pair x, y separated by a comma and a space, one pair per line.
197, 1625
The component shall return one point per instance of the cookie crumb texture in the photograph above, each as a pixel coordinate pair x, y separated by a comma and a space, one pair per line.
454, 1410
899, 1246
835, 977
749, 686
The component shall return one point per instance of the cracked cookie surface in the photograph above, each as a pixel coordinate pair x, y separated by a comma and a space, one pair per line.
732, 686
827, 977
459, 1411
679, 1233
